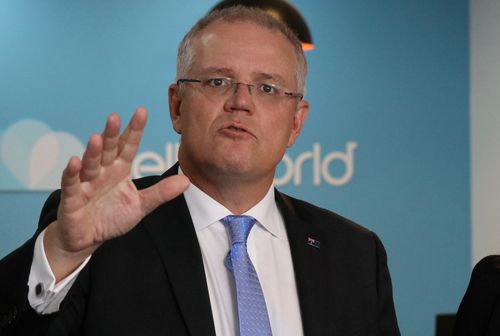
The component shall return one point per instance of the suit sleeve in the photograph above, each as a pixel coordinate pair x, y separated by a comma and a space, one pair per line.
16, 315
388, 324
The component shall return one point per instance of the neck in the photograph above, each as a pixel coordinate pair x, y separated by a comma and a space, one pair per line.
236, 192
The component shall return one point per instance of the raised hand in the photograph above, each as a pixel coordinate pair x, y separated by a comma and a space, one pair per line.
99, 201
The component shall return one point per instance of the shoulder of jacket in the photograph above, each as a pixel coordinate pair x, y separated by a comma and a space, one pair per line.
488, 265
309, 212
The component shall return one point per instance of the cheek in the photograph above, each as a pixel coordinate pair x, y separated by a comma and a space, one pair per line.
196, 122
280, 127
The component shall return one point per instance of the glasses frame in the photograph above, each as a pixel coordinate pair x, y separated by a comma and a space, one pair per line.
235, 84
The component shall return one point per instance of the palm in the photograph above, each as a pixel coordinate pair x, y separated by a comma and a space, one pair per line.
104, 208
98, 199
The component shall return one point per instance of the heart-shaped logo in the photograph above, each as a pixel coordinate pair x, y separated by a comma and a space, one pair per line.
35, 155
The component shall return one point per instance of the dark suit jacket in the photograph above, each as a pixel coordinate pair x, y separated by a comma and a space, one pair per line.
151, 281
479, 312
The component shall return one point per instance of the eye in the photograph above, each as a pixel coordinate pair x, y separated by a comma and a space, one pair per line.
218, 82
269, 89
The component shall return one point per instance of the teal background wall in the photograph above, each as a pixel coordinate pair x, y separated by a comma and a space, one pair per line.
390, 76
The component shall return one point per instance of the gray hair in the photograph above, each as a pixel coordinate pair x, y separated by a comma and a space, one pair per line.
185, 54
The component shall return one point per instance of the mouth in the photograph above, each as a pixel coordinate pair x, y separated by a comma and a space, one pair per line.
236, 130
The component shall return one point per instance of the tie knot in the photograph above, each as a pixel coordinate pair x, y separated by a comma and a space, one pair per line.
239, 227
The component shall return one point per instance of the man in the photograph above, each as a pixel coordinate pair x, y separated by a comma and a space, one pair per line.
151, 256
479, 311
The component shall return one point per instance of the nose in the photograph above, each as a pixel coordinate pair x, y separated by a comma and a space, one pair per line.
240, 99
237, 85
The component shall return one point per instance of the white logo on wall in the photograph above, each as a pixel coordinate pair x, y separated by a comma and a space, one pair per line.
33, 157
320, 166
149, 162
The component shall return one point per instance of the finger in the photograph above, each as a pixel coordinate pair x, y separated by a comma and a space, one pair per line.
70, 181
163, 191
110, 138
131, 137
91, 161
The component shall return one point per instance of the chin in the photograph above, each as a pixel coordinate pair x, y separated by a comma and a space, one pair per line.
234, 165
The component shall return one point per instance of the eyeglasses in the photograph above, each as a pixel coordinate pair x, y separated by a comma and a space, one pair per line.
266, 93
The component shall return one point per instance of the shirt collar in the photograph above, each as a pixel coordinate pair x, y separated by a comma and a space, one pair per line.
206, 211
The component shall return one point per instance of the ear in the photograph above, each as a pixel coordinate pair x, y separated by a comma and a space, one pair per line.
174, 104
299, 119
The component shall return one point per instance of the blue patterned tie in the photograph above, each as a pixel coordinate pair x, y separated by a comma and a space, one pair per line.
252, 311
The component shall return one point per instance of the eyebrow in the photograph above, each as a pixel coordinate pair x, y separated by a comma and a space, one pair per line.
267, 76
218, 71
257, 76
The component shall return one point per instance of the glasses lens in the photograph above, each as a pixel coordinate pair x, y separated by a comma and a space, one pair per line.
265, 93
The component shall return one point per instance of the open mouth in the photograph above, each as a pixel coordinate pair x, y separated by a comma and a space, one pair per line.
233, 130
236, 129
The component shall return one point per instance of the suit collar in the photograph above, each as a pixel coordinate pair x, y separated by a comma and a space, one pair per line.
172, 230
205, 211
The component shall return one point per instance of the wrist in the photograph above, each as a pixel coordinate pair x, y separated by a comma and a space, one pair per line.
62, 261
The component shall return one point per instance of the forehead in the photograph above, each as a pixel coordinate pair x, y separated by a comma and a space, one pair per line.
245, 49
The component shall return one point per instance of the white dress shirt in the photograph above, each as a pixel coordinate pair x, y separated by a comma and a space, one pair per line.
268, 249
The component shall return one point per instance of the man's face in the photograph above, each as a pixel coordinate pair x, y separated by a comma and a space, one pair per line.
237, 135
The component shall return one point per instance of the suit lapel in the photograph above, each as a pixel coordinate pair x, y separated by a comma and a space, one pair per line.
172, 231
171, 228
309, 255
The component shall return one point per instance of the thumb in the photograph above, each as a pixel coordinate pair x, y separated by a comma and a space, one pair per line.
163, 191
